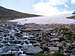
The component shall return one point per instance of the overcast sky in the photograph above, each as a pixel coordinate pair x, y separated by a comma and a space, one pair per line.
43, 7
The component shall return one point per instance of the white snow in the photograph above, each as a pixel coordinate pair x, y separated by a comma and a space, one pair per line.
60, 19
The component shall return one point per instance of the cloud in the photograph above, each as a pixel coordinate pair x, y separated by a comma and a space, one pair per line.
45, 9
58, 2
51, 7
73, 1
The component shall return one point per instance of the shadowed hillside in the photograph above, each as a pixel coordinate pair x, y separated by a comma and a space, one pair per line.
11, 14
72, 17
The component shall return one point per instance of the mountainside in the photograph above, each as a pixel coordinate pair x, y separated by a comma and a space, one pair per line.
11, 14
73, 16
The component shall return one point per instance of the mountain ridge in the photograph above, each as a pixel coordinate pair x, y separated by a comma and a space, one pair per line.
12, 14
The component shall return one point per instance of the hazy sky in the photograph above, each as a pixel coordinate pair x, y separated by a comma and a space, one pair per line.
43, 7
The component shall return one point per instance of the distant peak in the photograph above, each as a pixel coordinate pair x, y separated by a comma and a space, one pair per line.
73, 12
